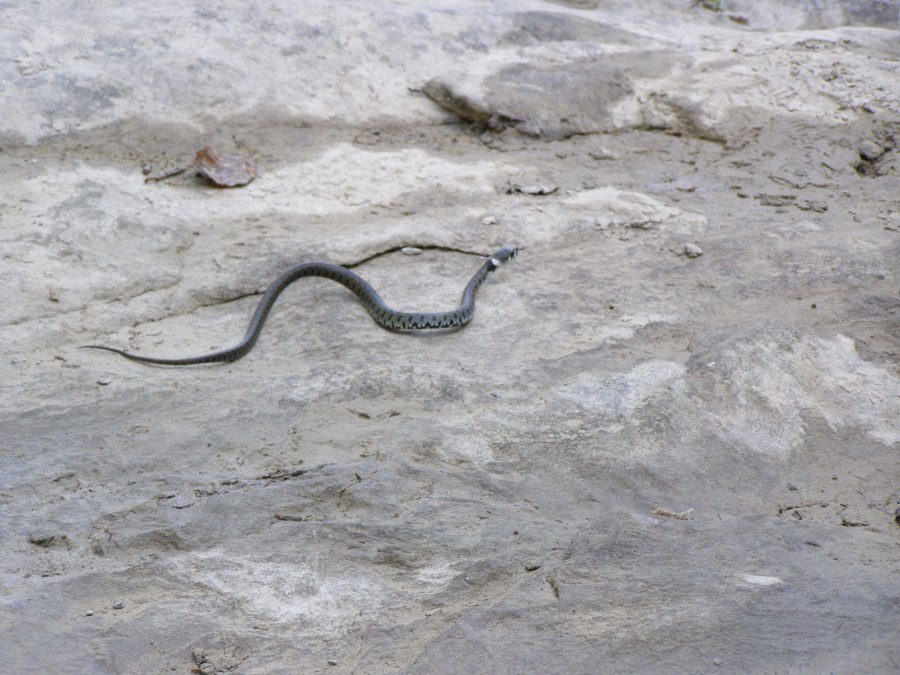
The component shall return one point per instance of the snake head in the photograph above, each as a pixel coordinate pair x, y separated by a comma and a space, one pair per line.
503, 254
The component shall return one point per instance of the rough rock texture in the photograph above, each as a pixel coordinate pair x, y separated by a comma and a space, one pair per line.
667, 442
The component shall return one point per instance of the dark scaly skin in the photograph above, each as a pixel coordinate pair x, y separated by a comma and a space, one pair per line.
384, 316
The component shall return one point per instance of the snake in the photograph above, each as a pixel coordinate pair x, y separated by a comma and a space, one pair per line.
384, 315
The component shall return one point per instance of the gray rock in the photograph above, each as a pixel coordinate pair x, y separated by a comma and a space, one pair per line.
475, 501
870, 150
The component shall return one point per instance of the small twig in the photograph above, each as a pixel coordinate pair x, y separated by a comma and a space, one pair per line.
665, 513
282, 475
553, 586
168, 173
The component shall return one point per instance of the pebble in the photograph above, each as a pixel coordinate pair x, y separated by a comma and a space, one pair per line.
411, 250
532, 189
490, 220
692, 250
602, 154
366, 139
869, 150
119, 605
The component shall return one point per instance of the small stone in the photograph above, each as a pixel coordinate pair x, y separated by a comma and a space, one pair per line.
103, 381
759, 580
692, 250
489, 220
452, 99
411, 250
532, 566
41, 539
332, 662
119, 605
869, 150
529, 128
366, 139
182, 500
532, 189
49, 540
602, 154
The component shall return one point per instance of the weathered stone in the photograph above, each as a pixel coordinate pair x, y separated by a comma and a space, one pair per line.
623, 443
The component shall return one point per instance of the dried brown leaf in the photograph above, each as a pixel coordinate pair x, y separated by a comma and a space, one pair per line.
225, 170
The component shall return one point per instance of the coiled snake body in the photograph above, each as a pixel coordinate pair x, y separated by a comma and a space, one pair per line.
384, 315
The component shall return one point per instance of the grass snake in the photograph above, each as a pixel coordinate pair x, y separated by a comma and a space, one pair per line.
384, 315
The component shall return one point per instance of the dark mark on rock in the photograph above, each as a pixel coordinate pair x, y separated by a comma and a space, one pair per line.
282, 475
553, 586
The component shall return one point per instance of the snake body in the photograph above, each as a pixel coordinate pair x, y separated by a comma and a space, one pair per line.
384, 315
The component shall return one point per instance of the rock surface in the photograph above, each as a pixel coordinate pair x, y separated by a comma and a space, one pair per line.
636, 457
